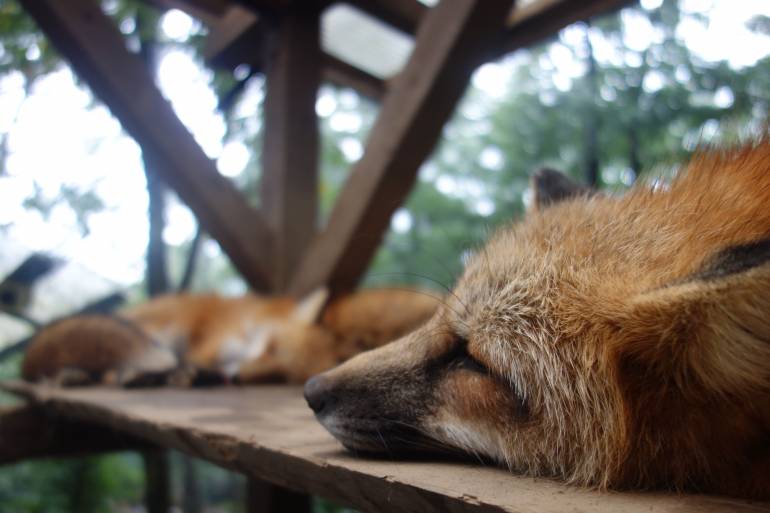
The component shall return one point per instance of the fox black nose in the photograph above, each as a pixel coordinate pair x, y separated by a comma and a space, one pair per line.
318, 393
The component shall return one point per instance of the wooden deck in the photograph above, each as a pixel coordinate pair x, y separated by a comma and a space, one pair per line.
269, 433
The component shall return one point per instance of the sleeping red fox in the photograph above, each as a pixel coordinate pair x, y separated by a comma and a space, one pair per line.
184, 337
611, 342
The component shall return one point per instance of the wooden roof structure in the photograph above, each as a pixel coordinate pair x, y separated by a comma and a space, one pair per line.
281, 248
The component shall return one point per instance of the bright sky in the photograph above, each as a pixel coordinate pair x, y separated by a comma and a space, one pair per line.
57, 140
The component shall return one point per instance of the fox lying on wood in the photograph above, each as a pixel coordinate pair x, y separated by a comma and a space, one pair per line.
184, 338
611, 342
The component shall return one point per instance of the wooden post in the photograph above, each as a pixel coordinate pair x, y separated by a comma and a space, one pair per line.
453, 39
157, 483
96, 50
263, 497
289, 185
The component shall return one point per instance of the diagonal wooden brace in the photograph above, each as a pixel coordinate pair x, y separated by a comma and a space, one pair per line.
452, 41
95, 48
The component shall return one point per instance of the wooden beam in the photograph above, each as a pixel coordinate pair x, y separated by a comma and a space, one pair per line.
96, 50
241, 37
340, 73
405, 15
451, 43
272, 5
289, 184
28, 432
238, 37
204, 10
544, 18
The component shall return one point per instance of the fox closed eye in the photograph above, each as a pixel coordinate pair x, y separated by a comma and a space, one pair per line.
461, 358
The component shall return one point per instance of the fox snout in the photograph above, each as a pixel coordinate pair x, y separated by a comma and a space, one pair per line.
320, 394
373, 403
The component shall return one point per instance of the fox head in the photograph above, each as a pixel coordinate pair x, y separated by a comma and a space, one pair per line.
287, 348
608, 341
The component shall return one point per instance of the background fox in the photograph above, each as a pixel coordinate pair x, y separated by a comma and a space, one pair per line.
612, 342
184, 337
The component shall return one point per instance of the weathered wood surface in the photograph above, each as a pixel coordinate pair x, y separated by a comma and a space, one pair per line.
28, 432
451, 42
95, 48
269, 433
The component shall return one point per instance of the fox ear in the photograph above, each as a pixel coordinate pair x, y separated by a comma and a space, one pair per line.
310, 307
551, 186
709, 331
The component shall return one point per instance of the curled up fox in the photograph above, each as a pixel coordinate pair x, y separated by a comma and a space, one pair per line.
612, 342
188, 339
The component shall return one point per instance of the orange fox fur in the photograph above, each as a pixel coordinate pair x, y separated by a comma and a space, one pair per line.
248, 338
616, 342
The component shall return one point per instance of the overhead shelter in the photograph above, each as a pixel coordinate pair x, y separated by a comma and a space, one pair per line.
298, 44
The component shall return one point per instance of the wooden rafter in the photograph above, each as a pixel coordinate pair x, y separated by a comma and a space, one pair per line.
343, 74
405, 15
544, 18
204, 10
289, 185
275, 5
234, 39
240, 37
451, 42
96, 50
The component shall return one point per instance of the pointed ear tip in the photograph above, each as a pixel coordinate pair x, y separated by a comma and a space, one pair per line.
545, 172
541, 175
320, 292
311, 304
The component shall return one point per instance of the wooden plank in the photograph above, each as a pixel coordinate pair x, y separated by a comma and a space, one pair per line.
544, 18
96, 50
269, 433
289, 182
451, 43
28, 432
